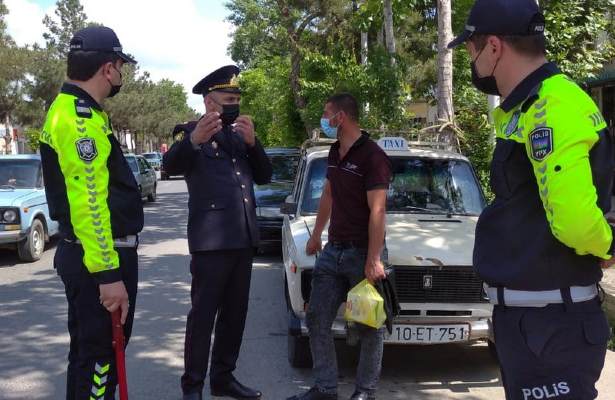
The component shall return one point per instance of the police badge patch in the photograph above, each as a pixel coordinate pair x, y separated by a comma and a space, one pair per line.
86, 147
541, 143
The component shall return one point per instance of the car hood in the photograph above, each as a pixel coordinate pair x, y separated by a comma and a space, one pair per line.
17, 197
412, 239
273, 194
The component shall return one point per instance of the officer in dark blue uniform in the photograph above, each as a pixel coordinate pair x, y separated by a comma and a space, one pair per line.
221, 160
541, 244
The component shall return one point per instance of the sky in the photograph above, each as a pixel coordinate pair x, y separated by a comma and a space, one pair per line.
181, 40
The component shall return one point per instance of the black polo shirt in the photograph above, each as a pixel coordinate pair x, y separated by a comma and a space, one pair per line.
365, 167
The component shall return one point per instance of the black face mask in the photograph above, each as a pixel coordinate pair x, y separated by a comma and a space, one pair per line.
115, 89
487, 84
230, 112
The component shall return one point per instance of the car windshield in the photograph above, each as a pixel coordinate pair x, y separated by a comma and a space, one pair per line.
134, 166
284, 167
151, 156
20, 174
420, 185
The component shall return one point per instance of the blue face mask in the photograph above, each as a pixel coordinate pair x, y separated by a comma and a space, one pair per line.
328, 130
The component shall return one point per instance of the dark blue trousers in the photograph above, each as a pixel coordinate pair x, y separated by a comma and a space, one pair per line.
555, 352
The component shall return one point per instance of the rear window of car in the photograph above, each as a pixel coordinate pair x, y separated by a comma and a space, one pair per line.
132, 162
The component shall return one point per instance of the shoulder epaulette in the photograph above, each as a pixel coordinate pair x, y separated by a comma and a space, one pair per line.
531, 98
82, 109
186, 127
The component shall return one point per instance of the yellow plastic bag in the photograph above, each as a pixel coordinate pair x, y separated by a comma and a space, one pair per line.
365, 305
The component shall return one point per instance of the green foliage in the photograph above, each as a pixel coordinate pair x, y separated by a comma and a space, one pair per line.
146, 108
573, 29
32, 136
71, 19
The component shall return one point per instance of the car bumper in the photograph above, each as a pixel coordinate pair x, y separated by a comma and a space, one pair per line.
480, 329
270, 231
8, 237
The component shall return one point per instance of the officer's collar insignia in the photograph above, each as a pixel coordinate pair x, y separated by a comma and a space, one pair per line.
86, 148
513, 123
214, 144
541, 143
82, 108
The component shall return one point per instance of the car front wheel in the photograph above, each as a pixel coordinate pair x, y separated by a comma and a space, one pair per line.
31, 249
152, 196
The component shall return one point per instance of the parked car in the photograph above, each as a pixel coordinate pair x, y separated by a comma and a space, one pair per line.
164, 176
144, 175
154, 159
433, 206
270, 197
25, 224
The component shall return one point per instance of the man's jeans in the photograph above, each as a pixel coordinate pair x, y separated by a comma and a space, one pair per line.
338, 270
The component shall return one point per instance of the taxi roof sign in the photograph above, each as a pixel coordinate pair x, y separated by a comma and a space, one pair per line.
393, 143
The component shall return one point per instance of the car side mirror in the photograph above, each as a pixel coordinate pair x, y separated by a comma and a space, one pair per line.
288, 207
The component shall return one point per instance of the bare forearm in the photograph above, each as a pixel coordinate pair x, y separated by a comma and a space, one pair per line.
377, 222
324, 213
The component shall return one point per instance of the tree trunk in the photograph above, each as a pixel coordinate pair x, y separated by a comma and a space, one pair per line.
389, 33
380, 36
445, 63
364, 47
294, 35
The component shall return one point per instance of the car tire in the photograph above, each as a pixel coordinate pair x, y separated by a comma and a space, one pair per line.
32, 248
152, 196
299, 354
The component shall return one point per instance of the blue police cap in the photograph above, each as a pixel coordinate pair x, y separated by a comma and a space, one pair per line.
224, 79
101, 39
502, 17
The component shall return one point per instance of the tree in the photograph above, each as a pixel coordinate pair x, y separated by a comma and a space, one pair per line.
445, 63
71, 18
573, 30
389, 33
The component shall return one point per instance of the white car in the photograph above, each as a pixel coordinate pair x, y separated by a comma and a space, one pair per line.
433, 206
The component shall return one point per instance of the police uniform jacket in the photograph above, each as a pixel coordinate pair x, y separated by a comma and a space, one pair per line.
552, 175
220, 175
90, 188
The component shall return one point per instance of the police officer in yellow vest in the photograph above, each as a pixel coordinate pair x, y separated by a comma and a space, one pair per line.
93, 195
541, 244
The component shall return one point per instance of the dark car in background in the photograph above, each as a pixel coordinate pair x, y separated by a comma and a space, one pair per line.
269, 197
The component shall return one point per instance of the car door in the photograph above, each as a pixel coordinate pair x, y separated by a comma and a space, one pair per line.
146, 180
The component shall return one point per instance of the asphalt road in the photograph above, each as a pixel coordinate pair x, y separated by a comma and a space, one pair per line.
34, 340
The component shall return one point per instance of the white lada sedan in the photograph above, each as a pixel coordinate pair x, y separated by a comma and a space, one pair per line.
432, 209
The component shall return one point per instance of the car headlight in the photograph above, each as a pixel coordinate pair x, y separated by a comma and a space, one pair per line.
9, 216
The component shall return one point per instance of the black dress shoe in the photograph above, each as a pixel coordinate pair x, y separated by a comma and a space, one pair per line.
235, 390
193, 396
362, 396
314, 394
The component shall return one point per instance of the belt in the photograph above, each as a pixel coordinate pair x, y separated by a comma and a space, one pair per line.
522, 298
130, 241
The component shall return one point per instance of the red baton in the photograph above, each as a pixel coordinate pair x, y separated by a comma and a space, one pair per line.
120, 359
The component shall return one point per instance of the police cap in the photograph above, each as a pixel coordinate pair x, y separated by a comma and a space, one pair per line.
224, 79
101, 39
502, 17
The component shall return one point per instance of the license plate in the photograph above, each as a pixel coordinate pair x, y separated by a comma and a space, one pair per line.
429, 334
